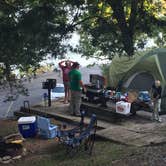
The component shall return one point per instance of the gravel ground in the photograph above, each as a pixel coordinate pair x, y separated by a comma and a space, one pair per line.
146, 156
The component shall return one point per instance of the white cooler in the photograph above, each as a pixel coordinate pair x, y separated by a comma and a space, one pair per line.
123, 107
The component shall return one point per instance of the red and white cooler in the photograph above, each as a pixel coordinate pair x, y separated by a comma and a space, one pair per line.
123, 107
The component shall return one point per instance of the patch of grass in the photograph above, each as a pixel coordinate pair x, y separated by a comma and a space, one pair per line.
8, 127
104, 153
50, 153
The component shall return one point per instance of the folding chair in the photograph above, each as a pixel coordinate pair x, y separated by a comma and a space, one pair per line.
73, 139
45, 129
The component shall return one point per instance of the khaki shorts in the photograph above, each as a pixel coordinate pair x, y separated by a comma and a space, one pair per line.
66, 83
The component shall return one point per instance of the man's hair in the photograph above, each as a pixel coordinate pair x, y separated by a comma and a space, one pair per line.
75, 65
67, 63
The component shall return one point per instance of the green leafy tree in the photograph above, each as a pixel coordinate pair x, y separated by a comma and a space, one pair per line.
109, 27
30, 30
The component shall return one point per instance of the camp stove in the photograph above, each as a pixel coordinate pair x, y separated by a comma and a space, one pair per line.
94, 90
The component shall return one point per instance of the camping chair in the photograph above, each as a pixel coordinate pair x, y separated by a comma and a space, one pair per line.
63, 134
85, 137
45, 129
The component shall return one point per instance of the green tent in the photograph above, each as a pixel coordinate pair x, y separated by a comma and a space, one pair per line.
140, 71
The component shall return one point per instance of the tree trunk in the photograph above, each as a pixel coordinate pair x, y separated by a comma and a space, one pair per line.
8, 76
127, 32
128, 43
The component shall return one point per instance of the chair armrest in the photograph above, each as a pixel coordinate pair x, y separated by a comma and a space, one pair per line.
52, 127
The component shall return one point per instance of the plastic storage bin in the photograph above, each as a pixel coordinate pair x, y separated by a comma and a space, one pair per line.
27, 126
123, 107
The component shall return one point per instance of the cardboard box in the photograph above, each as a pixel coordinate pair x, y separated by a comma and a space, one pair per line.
123, 107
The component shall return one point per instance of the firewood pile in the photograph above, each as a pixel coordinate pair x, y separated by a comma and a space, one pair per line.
11, 148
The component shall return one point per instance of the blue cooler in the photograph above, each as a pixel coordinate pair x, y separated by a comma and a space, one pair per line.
144, 96
27, 126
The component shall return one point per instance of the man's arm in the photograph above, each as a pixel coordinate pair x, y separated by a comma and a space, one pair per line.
82, 85
157, 97
61, 64
159, 93
151, 93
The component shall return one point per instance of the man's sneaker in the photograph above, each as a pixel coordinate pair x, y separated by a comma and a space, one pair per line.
160, 120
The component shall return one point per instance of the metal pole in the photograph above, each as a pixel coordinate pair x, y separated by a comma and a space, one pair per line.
49, 96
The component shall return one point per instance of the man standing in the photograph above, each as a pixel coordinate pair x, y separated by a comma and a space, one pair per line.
66, 67
156, 100
75, 87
